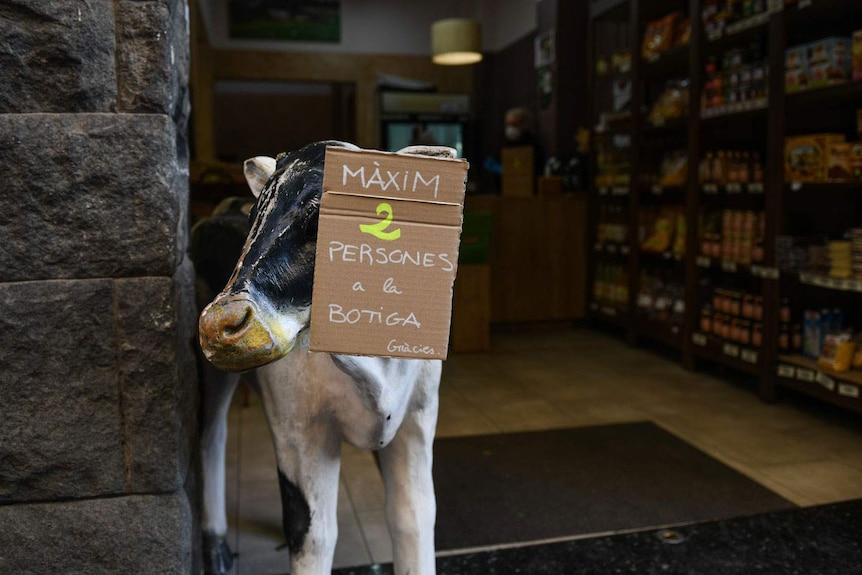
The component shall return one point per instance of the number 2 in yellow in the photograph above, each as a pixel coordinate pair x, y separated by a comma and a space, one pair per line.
378, 230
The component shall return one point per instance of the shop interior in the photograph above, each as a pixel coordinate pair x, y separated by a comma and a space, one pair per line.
653, 363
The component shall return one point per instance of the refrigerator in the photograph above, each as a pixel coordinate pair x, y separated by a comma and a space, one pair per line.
411, 118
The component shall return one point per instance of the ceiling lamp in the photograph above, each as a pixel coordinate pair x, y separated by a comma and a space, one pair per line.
456, 41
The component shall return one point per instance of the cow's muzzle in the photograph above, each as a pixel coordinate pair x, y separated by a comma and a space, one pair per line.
235, 336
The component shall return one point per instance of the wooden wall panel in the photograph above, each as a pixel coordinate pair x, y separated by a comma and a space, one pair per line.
362, 70
538, 257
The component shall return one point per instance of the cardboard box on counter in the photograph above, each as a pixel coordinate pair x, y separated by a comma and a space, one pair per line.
518, 171
387, 254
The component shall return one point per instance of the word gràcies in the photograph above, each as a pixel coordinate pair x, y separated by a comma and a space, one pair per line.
398, 180
394, 346
365, 254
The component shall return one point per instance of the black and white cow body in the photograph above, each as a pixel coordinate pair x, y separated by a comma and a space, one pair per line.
313, 401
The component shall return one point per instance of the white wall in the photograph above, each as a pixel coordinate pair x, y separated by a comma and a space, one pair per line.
505, 21
392, 26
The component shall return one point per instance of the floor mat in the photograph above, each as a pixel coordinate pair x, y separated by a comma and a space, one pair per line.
824, 540
517, 487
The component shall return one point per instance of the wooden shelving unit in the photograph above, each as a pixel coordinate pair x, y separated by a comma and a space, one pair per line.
757, 125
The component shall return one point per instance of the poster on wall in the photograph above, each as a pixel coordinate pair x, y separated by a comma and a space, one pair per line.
543, 49
286, 20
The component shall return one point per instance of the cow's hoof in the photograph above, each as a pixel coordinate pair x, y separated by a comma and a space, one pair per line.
218, 558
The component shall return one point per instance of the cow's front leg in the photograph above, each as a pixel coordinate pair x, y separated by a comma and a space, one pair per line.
411, 509
218, 389
308, 451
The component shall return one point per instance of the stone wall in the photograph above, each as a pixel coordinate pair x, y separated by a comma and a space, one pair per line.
97, 372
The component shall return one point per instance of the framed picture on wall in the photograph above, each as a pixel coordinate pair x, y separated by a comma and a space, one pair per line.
286, 20
543, 49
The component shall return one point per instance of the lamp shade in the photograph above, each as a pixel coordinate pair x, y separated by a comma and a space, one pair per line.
456, 41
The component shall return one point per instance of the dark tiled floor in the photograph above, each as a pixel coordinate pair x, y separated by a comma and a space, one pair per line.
823, 540
546, 379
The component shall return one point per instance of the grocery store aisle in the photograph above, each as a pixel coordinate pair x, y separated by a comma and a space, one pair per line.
552, 378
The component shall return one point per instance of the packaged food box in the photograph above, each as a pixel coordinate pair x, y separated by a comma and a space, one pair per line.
796, 57
828, 50
806, 157
840, 164
829, 73
829, 61
857, 55
795, 80
856, 161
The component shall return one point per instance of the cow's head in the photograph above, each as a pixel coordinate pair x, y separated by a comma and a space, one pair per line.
267, 301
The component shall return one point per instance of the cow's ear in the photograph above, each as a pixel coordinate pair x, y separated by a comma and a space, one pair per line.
434, 151
257, 172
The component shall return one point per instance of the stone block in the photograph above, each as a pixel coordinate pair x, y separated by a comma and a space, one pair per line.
140, 535
158, 381
189, 389
152, 56
57, 56
88, 195
148, 344
60, 413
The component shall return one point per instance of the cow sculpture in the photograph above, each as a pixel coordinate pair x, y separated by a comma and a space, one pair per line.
313, 401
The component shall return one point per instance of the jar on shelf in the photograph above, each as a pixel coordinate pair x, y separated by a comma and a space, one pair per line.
784, 338
796, 337
757, 334
706, 319
784, 311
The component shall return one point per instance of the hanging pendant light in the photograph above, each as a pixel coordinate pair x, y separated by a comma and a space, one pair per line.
456, 41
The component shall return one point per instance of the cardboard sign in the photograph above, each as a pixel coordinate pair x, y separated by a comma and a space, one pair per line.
387, 254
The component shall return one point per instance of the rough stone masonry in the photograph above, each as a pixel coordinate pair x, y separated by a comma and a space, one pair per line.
98, 410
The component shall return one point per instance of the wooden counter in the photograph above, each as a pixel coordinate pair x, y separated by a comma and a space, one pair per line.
538, 257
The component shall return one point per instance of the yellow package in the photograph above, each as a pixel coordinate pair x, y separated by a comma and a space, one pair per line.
659, 36
837, 352
806, 157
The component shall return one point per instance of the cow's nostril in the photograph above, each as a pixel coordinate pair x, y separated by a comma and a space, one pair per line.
238, 322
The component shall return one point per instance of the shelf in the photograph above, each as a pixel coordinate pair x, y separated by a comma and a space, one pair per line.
760, 124
823, 187
608, 313
613, 249
615, 126
739, 357
804, 375
674, 125
754, 189
673, 63
614, 77
664, 258
742, 110
667, 334
739, 32
658, 190
809, 10
847, 93
826, 282
613, 191
755, 270
716, 264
